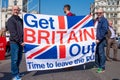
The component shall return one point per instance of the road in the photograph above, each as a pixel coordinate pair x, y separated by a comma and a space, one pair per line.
83, 72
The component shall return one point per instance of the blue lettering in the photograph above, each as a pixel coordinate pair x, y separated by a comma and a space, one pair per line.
88, 49
31, 65
43, 23
89, 58
93, 47
63, 64
51, 23
33, 22
71, 49
77, 61
81, 49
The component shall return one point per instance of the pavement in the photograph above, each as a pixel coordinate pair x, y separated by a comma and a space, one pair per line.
83, 72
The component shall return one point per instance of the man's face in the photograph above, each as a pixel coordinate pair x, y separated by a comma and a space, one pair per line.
15, 10
99, 13
110, 23
65, 9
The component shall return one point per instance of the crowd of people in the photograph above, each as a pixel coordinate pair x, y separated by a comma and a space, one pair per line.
104, 34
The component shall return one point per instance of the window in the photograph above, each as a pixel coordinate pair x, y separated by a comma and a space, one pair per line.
111, 15
115, 2
107, 15
110, 9
115, 22
115, 15
5, 16
108, 3
112, 3
118, 2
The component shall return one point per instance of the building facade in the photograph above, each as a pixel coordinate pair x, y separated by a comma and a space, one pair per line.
111, 11
7, 11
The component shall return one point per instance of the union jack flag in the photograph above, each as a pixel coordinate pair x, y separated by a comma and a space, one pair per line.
68, 23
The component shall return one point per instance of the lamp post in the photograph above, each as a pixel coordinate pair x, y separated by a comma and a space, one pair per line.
15, 2
0, 14
39, 6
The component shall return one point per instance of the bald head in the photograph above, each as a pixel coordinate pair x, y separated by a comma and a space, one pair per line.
15, 10
100, 12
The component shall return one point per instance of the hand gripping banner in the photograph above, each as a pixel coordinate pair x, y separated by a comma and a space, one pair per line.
54, 42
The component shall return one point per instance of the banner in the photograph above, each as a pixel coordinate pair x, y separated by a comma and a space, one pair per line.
2, 48
54, 42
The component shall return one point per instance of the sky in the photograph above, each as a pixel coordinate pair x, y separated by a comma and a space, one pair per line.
55, 7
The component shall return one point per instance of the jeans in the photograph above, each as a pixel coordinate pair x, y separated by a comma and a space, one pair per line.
16, 57
100, 57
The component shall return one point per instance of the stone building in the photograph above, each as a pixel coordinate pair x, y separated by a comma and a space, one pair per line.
111, 11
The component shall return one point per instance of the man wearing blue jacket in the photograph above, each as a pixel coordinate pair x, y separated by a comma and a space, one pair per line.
101, 31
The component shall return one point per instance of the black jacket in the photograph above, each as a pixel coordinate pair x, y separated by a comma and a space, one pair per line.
15, 27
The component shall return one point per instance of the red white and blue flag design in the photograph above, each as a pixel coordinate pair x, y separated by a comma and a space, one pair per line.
54, 42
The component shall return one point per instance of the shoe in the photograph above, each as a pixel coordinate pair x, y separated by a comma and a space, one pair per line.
100, 70
17, 78
114, 59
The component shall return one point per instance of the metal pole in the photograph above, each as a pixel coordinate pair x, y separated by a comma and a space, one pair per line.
0, 14
39, 6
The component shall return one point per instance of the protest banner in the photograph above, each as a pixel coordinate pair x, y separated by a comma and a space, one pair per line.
2, 48
54, 42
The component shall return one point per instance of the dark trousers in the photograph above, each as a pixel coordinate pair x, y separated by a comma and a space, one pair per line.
16, 57
100, 57
113, 43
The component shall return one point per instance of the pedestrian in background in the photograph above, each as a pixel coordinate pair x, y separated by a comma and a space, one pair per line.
67, 11
101, 31
111, 42
15, 27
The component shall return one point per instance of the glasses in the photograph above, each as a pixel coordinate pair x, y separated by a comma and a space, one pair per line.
99, 12
16, 9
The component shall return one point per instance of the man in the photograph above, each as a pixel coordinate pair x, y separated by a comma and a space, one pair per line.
15, 27
111, 41
67, 8
101, 31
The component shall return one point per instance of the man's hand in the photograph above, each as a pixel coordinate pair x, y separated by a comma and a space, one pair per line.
97, 41
22, 44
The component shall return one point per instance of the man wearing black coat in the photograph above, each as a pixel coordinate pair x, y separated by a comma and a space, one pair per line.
15, 27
